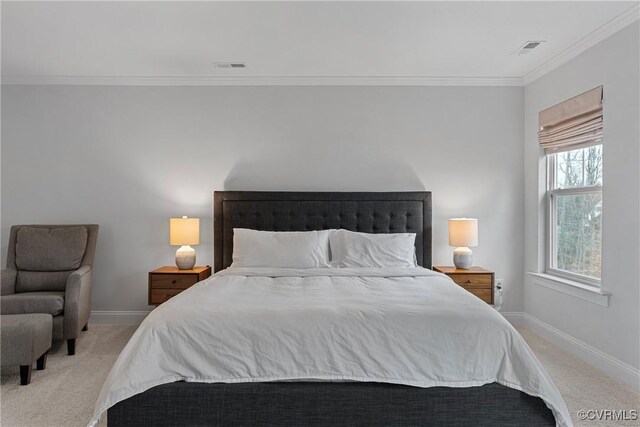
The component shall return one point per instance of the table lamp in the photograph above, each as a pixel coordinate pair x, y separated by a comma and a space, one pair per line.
463, 232
184, 232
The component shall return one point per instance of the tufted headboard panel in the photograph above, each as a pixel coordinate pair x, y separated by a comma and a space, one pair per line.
396, 212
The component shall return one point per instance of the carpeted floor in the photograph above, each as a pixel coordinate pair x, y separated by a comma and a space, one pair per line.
64, 394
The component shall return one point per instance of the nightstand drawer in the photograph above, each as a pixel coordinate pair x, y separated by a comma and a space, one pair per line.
158, 296
477, 280
471, 281
180, 281
168, 281
483, 294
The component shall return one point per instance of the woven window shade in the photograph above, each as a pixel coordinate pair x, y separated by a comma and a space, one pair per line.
574, 123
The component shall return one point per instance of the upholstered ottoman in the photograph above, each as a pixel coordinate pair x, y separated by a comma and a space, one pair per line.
25, 338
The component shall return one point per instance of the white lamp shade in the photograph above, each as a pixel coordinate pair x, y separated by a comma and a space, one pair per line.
463, 232
184, 231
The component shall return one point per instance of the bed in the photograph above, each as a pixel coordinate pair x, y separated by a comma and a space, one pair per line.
243, 390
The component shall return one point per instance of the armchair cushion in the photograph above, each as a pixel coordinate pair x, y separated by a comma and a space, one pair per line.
35, 281
33, 302
50, 249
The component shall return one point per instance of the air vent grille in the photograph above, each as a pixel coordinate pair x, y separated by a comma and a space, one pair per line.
527, 47
234, 65
531, 45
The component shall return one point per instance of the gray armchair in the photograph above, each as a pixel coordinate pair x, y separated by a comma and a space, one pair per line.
49, 271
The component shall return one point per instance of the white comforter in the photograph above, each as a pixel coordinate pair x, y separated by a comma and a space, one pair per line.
402, 326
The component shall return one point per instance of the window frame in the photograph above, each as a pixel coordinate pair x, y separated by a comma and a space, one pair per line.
551, 220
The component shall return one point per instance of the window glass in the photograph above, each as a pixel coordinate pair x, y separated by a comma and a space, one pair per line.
575, 211
578, 233
579, 168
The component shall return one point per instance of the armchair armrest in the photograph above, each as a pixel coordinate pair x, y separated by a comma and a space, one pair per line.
8, 281
77, 302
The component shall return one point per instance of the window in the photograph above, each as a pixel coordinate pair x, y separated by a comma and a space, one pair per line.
574, 202
571, 136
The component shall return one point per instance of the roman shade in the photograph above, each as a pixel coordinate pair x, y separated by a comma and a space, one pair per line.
574, 123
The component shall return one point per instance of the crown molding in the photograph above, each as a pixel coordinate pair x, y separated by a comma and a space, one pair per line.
261, 81
621, 21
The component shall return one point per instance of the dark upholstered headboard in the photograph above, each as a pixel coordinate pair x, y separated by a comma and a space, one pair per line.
396, 212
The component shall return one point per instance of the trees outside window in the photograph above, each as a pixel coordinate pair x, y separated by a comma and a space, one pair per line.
574, 201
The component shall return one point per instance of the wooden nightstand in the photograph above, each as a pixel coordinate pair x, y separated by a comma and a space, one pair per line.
169, 281
477, 280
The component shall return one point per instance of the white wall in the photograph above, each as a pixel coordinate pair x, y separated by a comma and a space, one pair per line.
614, 330
129, 158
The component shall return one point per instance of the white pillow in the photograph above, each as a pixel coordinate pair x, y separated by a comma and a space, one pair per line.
280, 249
351, 249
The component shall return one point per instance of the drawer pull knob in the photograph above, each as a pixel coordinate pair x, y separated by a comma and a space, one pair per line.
469, 281
174, 281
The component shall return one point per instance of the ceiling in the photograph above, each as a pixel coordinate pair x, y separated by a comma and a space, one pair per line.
299, 41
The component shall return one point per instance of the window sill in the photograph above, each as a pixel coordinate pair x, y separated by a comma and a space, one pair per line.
570, 287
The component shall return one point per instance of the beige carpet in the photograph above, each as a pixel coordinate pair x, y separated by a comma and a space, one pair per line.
64, 394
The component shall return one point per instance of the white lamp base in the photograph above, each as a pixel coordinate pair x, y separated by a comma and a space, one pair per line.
462, 258
185, 257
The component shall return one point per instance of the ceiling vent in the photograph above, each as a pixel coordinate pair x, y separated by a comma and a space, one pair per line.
234, 65
527, 47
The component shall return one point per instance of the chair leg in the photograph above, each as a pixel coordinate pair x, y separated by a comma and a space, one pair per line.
71, 347
86, 327
25, 374
41, 363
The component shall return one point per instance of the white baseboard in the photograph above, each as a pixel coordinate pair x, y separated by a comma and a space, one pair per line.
117, 317
593, 356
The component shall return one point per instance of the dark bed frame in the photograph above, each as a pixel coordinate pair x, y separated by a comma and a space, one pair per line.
324, 403
406, 212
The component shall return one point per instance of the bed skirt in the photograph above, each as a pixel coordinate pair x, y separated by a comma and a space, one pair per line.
328, 404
